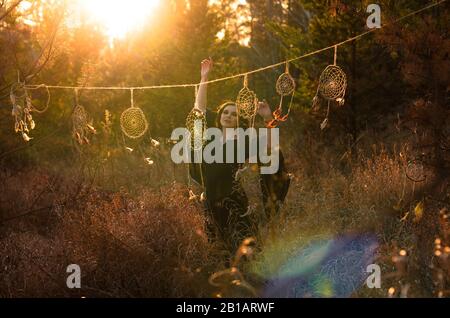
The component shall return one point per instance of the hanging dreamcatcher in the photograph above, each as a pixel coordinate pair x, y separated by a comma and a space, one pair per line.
285, 86
134, 125
332, 87
196, 126
22, 109
82, 127
246, 102
415, 170
133, 122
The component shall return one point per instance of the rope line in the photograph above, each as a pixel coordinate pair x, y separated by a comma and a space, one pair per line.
333, 46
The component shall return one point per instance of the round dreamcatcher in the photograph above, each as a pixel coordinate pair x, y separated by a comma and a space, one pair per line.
133, 121
333, 83
246, 101
196, 125
81, 126
415, 170
134, 125
285, 86
332, 87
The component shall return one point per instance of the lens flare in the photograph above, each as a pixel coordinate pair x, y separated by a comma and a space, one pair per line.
119, 17
325, 268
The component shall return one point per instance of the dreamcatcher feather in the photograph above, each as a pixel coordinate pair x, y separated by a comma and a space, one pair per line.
141, 152
332, 87
22, 107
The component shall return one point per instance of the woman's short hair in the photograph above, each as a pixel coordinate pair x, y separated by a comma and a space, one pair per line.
242, 122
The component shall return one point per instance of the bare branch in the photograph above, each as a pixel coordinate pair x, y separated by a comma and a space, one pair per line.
10, 9
42, 59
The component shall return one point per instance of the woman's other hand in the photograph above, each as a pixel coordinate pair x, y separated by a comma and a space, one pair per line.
206, 68
264, 110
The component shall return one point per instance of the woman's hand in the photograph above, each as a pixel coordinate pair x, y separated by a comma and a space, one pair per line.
264, 110
206, 68
200, 101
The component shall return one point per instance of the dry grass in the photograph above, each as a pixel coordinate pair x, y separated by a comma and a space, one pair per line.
151, 242
149, 245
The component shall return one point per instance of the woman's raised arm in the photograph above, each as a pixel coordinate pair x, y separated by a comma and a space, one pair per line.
200, 101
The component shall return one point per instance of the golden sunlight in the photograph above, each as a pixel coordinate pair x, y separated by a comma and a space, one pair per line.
119, 17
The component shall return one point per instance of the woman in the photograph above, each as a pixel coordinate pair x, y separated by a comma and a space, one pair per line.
226, 201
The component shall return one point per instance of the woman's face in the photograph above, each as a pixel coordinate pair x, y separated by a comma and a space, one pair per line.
229, 117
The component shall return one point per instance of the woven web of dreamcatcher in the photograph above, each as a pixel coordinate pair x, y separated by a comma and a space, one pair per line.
332, 83
246, 102
196, 124
79, 117
133, 122
80, 124
285, 84
415, 171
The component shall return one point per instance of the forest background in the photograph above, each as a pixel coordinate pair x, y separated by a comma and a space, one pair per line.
131, 226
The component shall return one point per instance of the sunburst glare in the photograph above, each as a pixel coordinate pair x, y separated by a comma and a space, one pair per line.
119, 17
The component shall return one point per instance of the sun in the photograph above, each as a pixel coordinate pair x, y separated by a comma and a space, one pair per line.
119, 17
